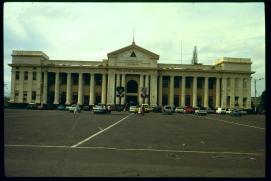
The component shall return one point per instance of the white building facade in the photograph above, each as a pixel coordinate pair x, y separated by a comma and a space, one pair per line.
129, 75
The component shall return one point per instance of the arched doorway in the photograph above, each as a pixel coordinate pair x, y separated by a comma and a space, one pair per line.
132, 92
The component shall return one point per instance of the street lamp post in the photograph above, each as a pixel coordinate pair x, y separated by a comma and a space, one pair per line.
255, 84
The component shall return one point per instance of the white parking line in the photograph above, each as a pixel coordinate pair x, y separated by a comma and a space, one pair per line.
139, 149
230, 122
92, 136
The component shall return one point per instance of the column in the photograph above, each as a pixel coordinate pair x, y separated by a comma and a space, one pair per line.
223, 93
29, 86
111, 88
123, 85
104, 89
21, 86
160, 90
56, 98
153, 89
45, 87
232, 93
147, 88
249, 93
80, 89
141, 85
171, 91
91, 90
217, 99
240, 95
183, 91
38, 88
12, 87
195, 92
118, 85
206, 95
68, 88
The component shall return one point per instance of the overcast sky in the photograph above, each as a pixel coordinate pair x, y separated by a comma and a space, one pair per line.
88, 31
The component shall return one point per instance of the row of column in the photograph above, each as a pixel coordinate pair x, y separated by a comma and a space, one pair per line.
220, 94
80, 89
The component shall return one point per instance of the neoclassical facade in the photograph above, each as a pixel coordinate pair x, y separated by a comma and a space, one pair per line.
129, 75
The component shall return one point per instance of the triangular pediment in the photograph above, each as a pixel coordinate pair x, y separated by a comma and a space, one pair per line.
131, 49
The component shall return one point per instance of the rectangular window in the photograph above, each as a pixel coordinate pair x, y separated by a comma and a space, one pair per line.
165, 100
75, 79
176, 100
200, 83
188, 83
176, 82
25, 75
165, 82
33, 95
34, 75
17, 75
63, 78
86, 79
24, 96
98, 79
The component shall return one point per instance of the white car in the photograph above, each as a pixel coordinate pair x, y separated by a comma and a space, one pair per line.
179, 110
221, 110
200, 111
132, 109
73, 107
167, 109
99, 109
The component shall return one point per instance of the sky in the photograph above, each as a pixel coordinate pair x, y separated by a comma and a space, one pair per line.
88, 31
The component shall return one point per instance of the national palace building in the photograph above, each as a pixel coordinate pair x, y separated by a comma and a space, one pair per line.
130, 74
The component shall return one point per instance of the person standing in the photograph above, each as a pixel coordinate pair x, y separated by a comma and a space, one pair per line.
143, 110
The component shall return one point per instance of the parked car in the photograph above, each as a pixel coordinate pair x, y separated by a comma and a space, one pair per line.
60, 107
32, 106
152, 107
228, 111
133, 109
235, 113
179, 110
99, 109
73, 107
86, 108
157, 109
167, 109
146, 107
210, 111
221, 110
201, 111
188, 109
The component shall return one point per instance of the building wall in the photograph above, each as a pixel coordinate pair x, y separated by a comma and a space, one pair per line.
231, 80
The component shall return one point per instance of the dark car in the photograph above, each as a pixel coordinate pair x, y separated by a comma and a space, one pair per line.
61, 107
86, 108
235, 113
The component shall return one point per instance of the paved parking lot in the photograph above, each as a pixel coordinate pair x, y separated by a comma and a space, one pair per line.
54, 143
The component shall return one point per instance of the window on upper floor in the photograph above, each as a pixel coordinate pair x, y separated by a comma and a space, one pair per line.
17, 75
25, 75
176, 82
165, 82
34, 75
